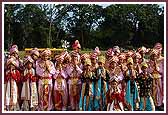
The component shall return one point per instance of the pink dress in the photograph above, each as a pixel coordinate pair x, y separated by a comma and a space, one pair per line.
157, 81
74, 82
45, 73
60, 90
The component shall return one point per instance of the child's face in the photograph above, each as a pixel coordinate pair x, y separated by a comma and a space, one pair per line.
66, 61
93, 61
58, 62
15, 54
153, 57
77, 50
11, 66
87, 67
29, 65
45, 57
100, 64
83, 61
121, 60
144, 69
114, 84
136, 60
130, 66
113, 65
75, 60
35, 57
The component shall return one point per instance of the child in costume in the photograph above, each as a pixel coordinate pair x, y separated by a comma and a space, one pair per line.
29, 93
131, 97
101, 85
114, 97
145, 81
137, 61
35, 56
122, 62
156, 70
94, 58
109, 54
45, 69
60, 86
160, 61
87, 93
74, 80
83, 58
14, 51
115, 71
12, 78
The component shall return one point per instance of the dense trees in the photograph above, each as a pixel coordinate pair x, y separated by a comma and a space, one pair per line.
45, 25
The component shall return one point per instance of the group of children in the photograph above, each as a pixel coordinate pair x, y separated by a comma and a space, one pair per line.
117, 81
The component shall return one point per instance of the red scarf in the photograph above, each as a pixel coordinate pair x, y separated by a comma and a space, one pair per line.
15, 76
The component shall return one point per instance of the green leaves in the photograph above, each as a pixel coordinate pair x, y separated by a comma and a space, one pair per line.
45, 25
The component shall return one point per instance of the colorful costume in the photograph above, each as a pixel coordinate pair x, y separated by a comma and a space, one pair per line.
156, 69
60, 85
160, 60
114, 97
35, 55
45, 70
87, 93
115, 71
12, 78
137, 58
29, 93
15, 52
101, 86
131, 97
74, 73
146, 84
60, 90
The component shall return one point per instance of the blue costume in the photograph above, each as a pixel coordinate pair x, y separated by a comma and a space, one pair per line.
87, 93
101, 87
131, 96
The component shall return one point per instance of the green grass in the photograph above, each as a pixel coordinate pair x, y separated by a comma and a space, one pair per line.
22, 53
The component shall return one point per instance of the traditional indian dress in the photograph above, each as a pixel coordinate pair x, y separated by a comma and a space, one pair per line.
137, 67
87, 93
132, 96
60, 90
11, 90
101, 87
146, 101
74, 74
45, 73
157, 81
29, 93
114, 100
116, 74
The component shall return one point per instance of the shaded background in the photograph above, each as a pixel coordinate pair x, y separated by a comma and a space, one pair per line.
105, 25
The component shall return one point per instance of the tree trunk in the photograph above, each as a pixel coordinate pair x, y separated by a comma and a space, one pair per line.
49, 37
82, 37
49, 44
10, 40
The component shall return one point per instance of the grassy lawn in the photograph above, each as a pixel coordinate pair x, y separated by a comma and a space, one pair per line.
22, 53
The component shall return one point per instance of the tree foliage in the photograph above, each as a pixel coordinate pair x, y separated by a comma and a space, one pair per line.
45, 25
